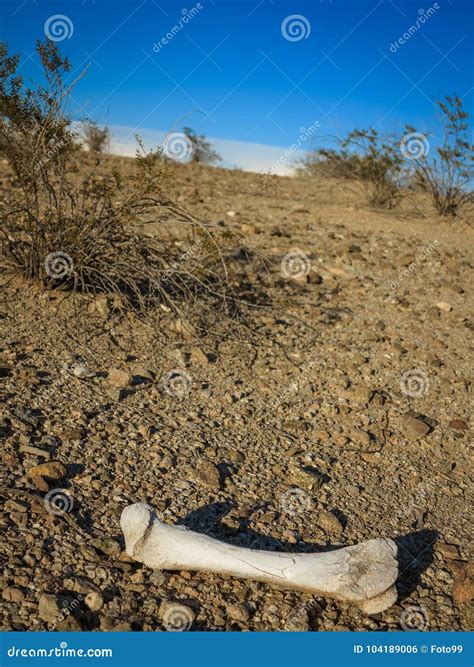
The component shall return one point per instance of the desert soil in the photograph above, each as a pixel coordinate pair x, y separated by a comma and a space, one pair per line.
336, 412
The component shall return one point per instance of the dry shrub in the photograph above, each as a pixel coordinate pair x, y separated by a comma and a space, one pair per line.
445, 177
365, 157
79, 233
96, 139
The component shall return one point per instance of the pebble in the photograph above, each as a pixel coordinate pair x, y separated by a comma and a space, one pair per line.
12, 594
449, 551
35, 451
117, 378
94, 600
414, 427
444, 306
458, 424
207, 474
51, 469
329, 522
107, 545
238, 613
48, 607
463, 587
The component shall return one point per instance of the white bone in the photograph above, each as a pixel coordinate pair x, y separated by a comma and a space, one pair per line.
364, 573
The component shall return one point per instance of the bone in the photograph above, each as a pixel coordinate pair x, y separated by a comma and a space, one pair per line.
364, 573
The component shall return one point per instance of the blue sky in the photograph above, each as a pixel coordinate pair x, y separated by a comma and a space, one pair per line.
239, 76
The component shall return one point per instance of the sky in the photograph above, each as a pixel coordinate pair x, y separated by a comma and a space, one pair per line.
265, 80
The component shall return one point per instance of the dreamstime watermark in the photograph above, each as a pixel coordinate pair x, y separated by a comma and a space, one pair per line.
403, 275
295, 501
305, 134
423, 17
61, 651
182, 259
415, 619
58, 265
414, 146
295, 265
58, 27
178, 146
295, 28
414, 383
178, 618
184, 20
68, 608
177, 383
420, 497
58, 501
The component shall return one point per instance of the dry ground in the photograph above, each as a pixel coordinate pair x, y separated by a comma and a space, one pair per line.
286, 428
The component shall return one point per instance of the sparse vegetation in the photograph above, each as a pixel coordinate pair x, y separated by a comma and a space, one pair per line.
86, 227
96, 139
364, 156
445, 175
202, 150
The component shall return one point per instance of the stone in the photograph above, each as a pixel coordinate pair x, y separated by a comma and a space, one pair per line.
463, 587
51, 470
118, 378
449, 551
360, 436
35, 451
298, 621
458, 424
12, 594
208, 474
330, 522
74, 435
305, 478
414, 427
94, 600
107, 545
238, 613
48, 607
198, 355
40, 483
444, 306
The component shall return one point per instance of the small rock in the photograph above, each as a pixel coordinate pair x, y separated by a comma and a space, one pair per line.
183, 328
118, 378
360, 436
35, 451
330, 522
306, 478
449, 551
415, 428
81, 371
68, 624
48, 607
463, 587
198, 355
51, 470
458, 424
94, 600
444, 306
207, 473
73, 435
11, 594
298, 621
238, 613
107, 545
40, 483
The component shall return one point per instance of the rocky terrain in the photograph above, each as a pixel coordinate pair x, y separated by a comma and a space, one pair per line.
335, 409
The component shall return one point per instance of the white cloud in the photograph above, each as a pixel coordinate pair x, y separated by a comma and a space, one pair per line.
242, 154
